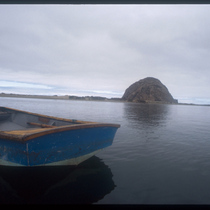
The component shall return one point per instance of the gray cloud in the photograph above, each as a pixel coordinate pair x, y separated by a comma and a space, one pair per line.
106, 47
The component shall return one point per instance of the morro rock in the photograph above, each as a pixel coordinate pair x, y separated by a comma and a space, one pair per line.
148, 90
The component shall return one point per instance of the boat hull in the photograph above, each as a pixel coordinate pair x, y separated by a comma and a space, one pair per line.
67, 162
30, 139
69, 147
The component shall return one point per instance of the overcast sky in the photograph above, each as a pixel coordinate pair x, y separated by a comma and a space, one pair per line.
103, 49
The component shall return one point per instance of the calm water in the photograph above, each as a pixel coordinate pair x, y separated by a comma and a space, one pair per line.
160, 155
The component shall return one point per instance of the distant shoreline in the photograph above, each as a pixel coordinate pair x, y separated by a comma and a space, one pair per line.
84, 98
65, 97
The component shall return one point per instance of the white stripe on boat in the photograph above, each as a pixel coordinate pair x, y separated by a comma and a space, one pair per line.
72, 161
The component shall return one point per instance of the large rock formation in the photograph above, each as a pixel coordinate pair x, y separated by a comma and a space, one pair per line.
148, 90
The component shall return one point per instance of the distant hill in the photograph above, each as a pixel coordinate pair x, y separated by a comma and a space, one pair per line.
148, 90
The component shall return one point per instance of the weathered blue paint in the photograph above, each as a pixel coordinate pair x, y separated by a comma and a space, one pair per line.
14, 152
57, 146
56, 141
68, 144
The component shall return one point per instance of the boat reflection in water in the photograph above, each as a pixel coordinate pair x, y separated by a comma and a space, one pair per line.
86, 183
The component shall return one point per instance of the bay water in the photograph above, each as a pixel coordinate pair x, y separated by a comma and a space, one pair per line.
160, 155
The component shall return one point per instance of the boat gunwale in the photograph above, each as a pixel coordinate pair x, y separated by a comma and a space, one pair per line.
47, 116
45, 131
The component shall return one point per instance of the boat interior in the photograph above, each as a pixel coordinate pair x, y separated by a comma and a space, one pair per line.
22, 126
11, 120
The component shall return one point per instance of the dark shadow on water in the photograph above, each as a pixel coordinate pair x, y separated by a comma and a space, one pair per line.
87, 183
146, 114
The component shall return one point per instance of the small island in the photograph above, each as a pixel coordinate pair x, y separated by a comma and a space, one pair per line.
148, 90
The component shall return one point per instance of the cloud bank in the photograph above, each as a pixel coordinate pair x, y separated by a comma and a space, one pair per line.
102, 49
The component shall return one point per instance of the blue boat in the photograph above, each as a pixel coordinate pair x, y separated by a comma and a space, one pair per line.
29, 139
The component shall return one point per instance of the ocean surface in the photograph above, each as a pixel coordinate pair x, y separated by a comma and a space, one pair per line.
160, 155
